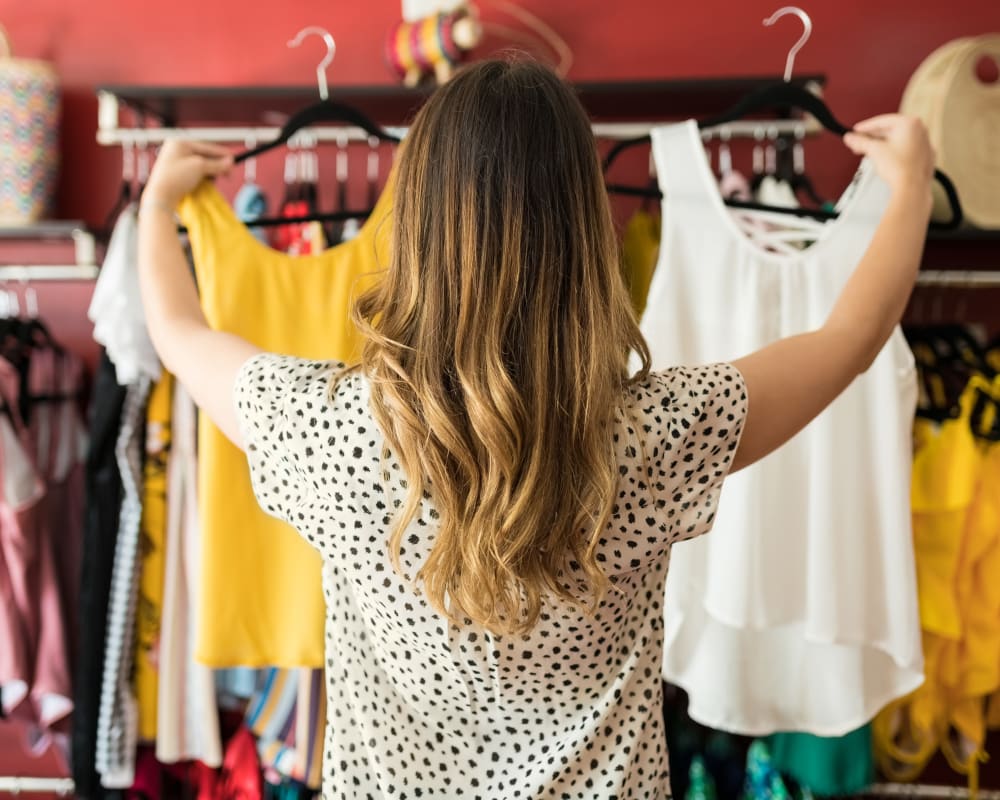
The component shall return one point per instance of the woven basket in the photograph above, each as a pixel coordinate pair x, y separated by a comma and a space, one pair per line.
29, 137
963, 118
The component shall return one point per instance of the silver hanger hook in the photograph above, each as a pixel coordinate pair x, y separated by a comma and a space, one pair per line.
331, 50
806, 33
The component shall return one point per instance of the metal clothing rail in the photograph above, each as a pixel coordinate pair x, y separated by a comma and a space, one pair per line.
145, 137
960, 279
27, 785
48, 272
923, 791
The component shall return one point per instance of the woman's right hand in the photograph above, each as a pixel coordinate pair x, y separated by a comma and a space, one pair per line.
900, 149
181, 166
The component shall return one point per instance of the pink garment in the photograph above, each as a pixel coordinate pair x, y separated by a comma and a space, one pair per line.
734, 186
41, 517
22, 490
60, 439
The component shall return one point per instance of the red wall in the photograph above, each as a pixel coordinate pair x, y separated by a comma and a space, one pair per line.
867, 49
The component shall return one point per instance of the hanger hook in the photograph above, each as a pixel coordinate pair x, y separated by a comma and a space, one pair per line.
806, 33
331, 50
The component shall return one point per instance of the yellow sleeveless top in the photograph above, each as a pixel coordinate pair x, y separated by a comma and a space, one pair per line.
261, 602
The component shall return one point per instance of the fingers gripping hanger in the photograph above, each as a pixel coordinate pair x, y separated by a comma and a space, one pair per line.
784, 95
326, 110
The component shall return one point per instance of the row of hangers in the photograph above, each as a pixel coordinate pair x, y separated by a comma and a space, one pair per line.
784, 96
949, 357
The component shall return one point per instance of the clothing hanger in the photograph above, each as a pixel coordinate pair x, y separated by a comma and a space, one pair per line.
792, 168
784, 96
324, 111
125, 189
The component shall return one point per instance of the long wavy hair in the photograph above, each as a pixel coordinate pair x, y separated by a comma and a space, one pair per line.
498, 344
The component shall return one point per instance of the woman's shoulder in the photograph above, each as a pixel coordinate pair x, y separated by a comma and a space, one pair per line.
677, 387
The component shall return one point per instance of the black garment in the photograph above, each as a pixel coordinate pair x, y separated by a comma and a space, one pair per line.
103, 487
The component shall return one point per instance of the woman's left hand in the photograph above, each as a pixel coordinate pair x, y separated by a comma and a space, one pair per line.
181, 166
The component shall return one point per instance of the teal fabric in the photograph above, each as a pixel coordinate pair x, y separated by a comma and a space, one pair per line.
701, 784
841, 765
763, 781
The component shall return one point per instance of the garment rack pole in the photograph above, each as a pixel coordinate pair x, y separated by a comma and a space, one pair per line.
48, 272
27, 785
921, 791
145, 137
959, 279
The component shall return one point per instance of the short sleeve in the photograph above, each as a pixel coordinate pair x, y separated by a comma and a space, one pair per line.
693, 419
270, 396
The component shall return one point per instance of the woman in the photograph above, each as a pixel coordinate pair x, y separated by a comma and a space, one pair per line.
493, 493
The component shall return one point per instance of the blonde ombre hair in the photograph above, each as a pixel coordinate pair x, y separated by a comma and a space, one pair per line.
498, 344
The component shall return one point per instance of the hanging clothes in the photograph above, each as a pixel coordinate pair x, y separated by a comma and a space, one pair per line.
827, 766
261, 603
116, 307
187, 719
103, 491
42, 446
152, 540
799, 612
956, 528
640, 248
117, 723
22, 491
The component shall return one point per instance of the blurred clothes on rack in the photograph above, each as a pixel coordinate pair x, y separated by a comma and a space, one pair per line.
43, 443
249, 204
187, 719
152, 542
956, 529
288, 717
640, 248
116, 307
103, 491
827, 766
286, 304
117, 721
799, 612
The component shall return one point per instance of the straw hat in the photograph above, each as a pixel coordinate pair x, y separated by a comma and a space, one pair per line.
962, 114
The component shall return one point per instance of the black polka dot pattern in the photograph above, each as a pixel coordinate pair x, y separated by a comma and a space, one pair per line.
419, 707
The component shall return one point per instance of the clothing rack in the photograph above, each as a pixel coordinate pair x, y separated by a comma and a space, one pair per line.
920, 790
48, 272
145, 137
959, 279
63, 787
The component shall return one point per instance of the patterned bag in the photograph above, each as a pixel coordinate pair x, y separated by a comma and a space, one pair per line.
29, 137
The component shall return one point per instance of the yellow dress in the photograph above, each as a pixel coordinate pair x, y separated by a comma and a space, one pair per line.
640, 249
153, 536
261, 598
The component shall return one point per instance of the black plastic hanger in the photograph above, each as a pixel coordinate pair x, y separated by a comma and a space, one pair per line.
324, 111
785, 97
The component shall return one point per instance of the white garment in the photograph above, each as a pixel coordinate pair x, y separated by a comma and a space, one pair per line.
187, 723
799, 611
116, 306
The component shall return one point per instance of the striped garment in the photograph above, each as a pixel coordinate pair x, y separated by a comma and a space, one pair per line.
117, 722
288, 717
